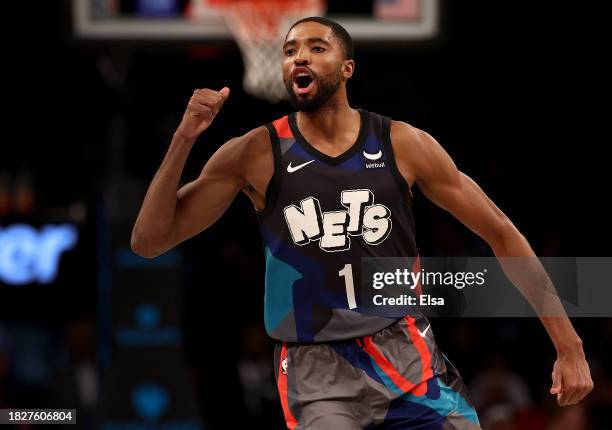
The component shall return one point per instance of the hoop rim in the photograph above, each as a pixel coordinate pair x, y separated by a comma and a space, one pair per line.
249, 19
282, 4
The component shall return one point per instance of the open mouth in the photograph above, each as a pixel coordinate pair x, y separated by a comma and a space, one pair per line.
303, 83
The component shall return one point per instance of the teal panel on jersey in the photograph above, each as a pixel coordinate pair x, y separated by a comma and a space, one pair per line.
279, 300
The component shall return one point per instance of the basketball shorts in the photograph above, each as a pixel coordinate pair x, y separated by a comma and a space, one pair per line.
394, 379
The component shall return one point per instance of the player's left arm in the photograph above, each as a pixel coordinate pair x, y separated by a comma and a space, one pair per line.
421, 160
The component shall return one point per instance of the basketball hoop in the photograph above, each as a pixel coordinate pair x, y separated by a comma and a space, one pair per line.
259, 28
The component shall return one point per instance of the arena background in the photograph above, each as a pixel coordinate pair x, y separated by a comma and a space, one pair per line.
517, 93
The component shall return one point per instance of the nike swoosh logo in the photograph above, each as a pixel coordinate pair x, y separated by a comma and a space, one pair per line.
292, 169
424, 332
372, 156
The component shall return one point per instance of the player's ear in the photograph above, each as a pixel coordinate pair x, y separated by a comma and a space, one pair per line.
348, 68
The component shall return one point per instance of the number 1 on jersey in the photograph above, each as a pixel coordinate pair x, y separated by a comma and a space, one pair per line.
347, 272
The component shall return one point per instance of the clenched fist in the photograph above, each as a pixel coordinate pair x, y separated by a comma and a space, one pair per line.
201, 111
571, 377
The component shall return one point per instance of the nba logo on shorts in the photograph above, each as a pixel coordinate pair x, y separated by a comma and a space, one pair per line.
284, 366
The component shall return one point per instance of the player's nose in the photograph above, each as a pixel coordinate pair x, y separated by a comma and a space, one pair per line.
302, 56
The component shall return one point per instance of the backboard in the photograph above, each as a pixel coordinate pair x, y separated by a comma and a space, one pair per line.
169, 20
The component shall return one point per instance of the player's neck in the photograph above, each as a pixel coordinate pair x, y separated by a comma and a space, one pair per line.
330, 121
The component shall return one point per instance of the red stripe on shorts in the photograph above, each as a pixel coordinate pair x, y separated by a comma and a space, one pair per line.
402, 383
419, 343
282, 391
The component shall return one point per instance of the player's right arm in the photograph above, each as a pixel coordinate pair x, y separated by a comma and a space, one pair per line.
169, 216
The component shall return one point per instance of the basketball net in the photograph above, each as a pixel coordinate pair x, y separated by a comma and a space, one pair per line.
259, 28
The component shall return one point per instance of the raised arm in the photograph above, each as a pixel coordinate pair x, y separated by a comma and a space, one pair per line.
169, 216
423, 161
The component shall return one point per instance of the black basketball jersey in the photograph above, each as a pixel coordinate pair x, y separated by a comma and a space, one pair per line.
322, 215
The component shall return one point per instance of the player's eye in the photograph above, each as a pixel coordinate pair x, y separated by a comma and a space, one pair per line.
318, 49
289, 52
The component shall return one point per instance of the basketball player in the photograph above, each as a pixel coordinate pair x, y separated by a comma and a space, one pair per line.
330, 185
